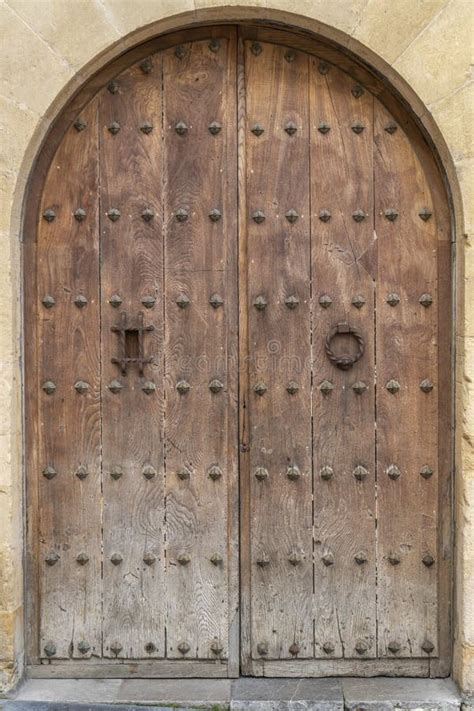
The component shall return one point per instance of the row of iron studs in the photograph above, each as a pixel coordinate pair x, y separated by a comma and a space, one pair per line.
150, 647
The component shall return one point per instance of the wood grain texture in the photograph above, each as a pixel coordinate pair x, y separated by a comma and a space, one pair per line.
201, 348
343, 269
69, 422
279, 353
131, 267
407, 432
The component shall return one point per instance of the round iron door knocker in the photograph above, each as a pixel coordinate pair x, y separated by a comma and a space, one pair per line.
344, 361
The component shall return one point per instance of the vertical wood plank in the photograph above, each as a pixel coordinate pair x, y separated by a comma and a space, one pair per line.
407, 419
132, 264
343, 271
69, 421
279, 352
201, 347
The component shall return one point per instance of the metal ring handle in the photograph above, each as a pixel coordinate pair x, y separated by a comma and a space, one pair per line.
344, 361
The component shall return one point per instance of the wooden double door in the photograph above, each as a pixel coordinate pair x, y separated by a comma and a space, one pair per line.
237, 374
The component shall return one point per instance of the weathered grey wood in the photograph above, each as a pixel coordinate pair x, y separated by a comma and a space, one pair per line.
343, 667
69, 521
143, 669
131, 261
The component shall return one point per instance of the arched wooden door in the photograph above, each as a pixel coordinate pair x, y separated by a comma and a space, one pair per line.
238, 304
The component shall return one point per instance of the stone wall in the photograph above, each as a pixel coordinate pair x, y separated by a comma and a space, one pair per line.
422, 46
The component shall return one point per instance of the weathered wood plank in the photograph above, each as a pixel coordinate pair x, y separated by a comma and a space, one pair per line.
407, 430
343, 271
201, 347
279, 350
132, 264
68, 420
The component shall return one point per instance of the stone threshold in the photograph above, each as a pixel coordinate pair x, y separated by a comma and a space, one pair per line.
244, 694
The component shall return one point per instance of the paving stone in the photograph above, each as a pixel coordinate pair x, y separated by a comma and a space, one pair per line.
178, 691
286, 695
385, 694
81, 691
51, 706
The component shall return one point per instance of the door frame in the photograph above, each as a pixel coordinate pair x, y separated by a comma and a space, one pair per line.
330, 52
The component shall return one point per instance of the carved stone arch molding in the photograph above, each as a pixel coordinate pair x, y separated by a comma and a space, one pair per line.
358, 555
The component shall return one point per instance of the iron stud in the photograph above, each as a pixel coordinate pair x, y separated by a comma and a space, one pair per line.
83, 647
261, 473
149, 558
291, 128
150, 647
80, 125
291, 302
215, 386
216, 301
359, 387
114, 128
80, 214
361, 647
50, 649
291, 216
328, 648
82, 558
257, 130
214, 472
146, 127
328, 559
323, 68
391, 128
260, 303
294, 558
81, 387
290, 56
113, 87
358, 127
183, 474
258, 216
256, 48
324, 128
393, 386
263, 561
115, 386
51, 558
113, 214
49, 387
294, 649
426, 300
360, 472
360, 558
216, 559
428, 560
393, 472
182, 386
183, 559
358, 301
215, 215
146, 66
214, 45
181, 128
148, 387
393, 647
81, 472
292, 387
293, 473
324, 215
115, 300
180, 52
216, 648
260, 389
116, 473
184, 647
80, 301
147, 215
49, 472
182, 301
427, 646
393, 299
325, 301
116, 558
48, 301
358, 215
49, 215
326, 473
357, 91
181, 214
425, 214
394, 558
426, 472
214, 128
426, 385
262, 649
326, 387
116, 648
149, 472
391, 214
148, 301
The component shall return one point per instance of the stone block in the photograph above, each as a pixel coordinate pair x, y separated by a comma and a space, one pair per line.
341, 15
454, 116
286, 695
130, 15
384, 694
465, 173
